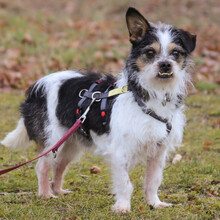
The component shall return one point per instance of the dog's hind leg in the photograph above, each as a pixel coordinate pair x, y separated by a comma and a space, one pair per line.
69, 152
153, 179
122, 185
43, 169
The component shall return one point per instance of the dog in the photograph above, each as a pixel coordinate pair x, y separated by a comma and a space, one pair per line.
142, 124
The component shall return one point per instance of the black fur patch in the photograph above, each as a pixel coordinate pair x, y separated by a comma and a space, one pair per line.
138, 49
142, 93
183, 38
69, 97
34, 112
131, 67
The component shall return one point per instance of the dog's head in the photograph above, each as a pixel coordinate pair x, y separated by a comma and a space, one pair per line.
159, 54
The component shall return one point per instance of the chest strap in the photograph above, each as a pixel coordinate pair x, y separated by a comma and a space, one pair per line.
117, 91
90, 94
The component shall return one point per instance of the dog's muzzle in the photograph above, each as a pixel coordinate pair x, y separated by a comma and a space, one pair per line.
165, 68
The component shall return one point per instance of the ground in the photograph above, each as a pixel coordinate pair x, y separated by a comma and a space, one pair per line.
39, 37
192, 184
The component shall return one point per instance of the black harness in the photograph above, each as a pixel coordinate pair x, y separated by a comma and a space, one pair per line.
103, 98
99, 97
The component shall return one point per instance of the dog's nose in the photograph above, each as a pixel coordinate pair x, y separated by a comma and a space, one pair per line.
165, 67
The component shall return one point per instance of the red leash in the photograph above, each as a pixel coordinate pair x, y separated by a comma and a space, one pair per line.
53, 149
74, 128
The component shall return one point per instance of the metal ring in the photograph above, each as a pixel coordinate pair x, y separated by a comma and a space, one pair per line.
80, 93
93, 97
123, 89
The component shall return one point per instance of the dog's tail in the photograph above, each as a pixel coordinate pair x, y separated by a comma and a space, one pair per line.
17, 139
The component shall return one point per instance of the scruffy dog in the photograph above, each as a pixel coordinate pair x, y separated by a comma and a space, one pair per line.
141, 125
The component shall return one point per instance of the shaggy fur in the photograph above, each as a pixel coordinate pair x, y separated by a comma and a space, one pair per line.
158, 68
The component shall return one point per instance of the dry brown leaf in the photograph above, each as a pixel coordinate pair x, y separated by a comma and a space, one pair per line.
95, 170
98, 55
207, 143
27, 39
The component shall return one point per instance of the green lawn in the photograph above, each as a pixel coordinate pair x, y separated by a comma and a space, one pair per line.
191, 185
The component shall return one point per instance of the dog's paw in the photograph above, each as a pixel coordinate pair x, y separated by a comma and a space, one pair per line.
58, 190
61, 191
47, 196
121, 207
161, 205
64, 191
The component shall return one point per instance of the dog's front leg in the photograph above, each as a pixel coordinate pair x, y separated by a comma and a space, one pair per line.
153, 179
122, 187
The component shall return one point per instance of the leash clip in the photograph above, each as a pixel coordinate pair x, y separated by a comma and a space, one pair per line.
83, 116
93, 96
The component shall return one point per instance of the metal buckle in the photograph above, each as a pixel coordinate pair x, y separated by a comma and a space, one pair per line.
80, 93
94, 98
123, 89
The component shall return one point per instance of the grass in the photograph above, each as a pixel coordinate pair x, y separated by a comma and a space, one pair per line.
191, 185
39, 37
206, 86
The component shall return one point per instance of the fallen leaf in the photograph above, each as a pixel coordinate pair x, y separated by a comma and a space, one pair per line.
110, 55
141, 208
98, 55
191, 203
27, 39
206, 148
207, 143
95, 170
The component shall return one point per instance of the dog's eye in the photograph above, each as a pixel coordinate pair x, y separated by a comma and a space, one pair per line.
150, 53
175, 53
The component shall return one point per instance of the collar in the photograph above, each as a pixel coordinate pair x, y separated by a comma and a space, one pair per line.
149, 111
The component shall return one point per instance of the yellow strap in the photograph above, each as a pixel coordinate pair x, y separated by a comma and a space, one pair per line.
118, 91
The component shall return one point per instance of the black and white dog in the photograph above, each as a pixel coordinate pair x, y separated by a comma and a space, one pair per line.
137, 126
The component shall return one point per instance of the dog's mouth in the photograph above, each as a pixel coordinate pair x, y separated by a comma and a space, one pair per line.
165, 75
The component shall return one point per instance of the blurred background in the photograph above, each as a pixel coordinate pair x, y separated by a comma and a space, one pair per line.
44, 36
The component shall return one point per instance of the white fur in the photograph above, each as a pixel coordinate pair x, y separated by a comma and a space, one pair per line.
164, 39
17, 139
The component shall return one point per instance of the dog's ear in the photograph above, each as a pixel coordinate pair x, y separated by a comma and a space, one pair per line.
137, 25
188, 40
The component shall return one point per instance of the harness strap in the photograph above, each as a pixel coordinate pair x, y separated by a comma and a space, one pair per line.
104, 100
84, 98
83, 103
113, 92
149, 111
104, 106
